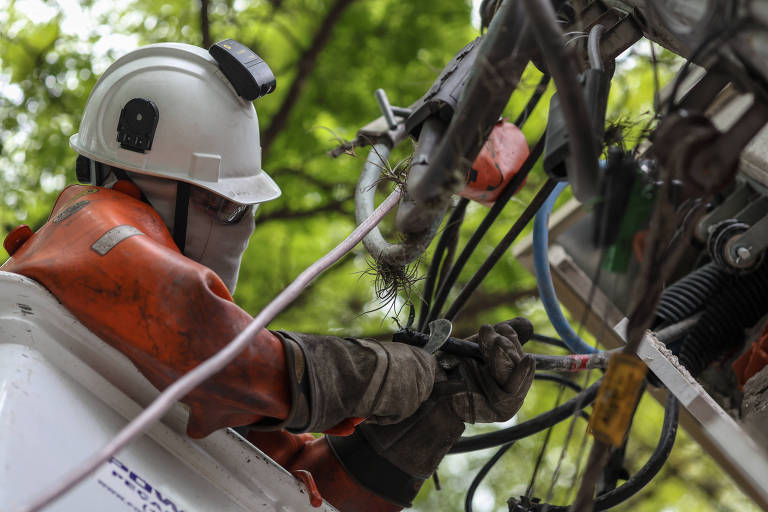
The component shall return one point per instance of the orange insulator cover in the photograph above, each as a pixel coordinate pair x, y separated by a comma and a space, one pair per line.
753, 360
112, 262
503, 154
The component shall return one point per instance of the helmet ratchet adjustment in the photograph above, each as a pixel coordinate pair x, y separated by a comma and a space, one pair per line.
136, 127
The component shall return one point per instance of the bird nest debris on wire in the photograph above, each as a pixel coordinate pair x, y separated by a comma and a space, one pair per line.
391, 282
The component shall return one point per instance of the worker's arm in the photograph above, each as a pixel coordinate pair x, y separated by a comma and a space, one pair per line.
381, 466
111, 261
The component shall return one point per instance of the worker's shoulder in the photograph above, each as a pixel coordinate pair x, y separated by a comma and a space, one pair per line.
85, 208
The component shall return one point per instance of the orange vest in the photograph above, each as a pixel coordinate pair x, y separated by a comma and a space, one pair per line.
111, 261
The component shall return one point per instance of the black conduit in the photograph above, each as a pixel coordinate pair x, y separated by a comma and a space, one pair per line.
738, 304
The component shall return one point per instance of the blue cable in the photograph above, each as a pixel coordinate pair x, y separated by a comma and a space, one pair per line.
544, 279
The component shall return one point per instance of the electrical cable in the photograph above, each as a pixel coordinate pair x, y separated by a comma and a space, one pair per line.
689, 294
559, 379
740, 303
530, 427
514, 184
482, 474
450, 256
498, 205
451, 228
593, 47
671, 333
544, 445
541, 88
509, 190
551, 377
549, 38
189, 381
544, 279
645, 474
587, 375
501, 248
549, 340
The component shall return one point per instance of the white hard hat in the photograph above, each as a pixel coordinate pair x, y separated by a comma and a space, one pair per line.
168, 110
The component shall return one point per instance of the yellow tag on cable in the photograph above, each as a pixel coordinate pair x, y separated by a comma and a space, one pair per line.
617, 399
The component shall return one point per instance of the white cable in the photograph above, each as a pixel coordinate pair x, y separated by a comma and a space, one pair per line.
212, 365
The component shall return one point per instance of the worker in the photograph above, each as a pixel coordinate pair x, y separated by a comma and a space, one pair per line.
147, 255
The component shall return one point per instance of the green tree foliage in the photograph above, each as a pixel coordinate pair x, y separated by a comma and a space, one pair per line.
329, 56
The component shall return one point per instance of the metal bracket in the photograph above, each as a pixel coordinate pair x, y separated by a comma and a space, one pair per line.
728, 209
385, 129
744, 250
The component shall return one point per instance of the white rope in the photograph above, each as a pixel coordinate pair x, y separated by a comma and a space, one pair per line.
212, 365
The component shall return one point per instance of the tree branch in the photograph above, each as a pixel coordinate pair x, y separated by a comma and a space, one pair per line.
302, 299
482, 302
287, 171
304, 68
285, 213
205, 25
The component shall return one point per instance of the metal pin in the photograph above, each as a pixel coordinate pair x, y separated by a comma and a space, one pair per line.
386, 108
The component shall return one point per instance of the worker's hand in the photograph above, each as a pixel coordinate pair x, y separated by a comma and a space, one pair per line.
466, 390
494, 389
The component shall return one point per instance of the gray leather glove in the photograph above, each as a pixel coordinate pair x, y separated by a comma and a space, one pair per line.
393, 460
495, 388
335, 379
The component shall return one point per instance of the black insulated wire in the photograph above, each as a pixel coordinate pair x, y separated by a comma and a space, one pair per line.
672, 333
482, 474
515, 183
541, 88
645, 474
530, 427
528, 214
549, 340
449, 233
450, 255
551, 377
559, 379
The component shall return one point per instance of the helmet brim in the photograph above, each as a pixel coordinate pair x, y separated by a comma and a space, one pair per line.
254, 188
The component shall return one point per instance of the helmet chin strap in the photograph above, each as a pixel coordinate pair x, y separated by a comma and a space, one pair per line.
181, 211
181, 214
